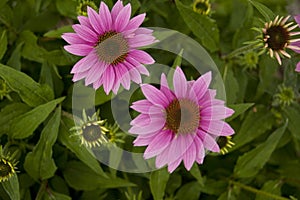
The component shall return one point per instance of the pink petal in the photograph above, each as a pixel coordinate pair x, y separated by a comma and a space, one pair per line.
164, 87
72, 38
296, 44
143, 31
95, 19
141, 120
85, 21
218, 128
133, 72
189, 157
123, 75
141, 106
105, 17
298, 67
141, 40
155, 124
200, 150
123, 18
172, 166
154, 95
116, 9
135, 22
137, 65
79, 49
96, 72
143, 140
201, 85
158, 144
180, 83
79, 76
83, 64
208, 141
176, 149
85, 33
141, 56
297, 19
216, 112
108, 79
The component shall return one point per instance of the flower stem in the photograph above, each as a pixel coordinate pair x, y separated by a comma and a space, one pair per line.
241, 50
256, 191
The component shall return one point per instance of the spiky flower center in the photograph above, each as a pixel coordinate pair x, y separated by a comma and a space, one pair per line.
225, 143
6, 169
182, 116
202, 7
112, 47
91, 133
277, 37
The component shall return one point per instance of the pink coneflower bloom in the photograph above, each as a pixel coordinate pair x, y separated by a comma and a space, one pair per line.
277, 38
181, 124
109, 41
297, 44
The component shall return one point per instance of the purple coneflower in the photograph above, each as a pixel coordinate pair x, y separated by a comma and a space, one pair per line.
109, 41
297, 43
181, 124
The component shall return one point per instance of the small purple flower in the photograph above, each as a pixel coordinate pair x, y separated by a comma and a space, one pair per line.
109, 41
180, 125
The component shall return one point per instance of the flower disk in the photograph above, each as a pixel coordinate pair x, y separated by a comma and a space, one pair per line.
180, 125
108, 42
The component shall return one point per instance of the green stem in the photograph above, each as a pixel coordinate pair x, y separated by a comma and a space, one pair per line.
256, 191
241, 50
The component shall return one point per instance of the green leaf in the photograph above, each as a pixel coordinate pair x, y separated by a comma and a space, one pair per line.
58, 32
12, 187
158, 182
293, 114
6, 15
32, 93
54, 195
249, 164
3, 43
24, 125
190, 191
39, 163
273, 187
178, 60
173, 184
31, 50
9, 113
197, 174
231, 85
73, 144
15, 58
67, 8
202, 26
81, 177
254, 125
238, 109
60, 57
265, 11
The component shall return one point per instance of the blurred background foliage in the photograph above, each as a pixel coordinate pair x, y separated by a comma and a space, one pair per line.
36, 105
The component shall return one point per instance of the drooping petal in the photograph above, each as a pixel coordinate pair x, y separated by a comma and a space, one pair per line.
85, 33
201, 85
216, 112
143, 140
208, 141
172, 166
96, 73
73, 38
141, 40
141, 120
108, 79
156, 123
141, 56
189, 157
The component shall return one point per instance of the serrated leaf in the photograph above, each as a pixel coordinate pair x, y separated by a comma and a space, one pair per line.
32, 93
254, 125
73, 144
293, 114
12, 187
202, 26
3, 43
158, 182
9, 113
265, 11
81, 177
39, 163
25, 124
58, 32
272, 187
238, 109
190, 191
249, 164
197, 174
